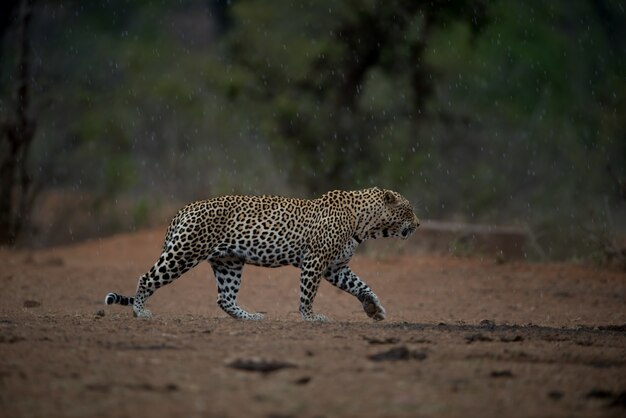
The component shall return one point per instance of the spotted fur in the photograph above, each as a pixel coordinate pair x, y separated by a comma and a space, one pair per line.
318, 236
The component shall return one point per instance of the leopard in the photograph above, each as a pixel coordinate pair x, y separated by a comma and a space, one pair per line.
318, 236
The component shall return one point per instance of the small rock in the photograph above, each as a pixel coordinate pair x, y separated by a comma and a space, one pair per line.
100, 313
374, 340
477, 337
501, 373
398, 353
615, 399
259, 365
303, 380
31, 304
555, 395
170, 387
514, 339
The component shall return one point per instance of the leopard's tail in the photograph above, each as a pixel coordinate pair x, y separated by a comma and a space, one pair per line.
112, 298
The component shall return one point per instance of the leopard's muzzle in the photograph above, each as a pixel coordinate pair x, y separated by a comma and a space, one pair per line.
408, 230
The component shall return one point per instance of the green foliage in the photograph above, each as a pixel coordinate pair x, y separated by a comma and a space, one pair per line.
483, 111
341, 101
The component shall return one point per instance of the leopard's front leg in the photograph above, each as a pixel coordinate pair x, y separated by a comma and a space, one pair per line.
345, 279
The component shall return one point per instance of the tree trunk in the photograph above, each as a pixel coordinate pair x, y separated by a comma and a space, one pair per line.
17, 134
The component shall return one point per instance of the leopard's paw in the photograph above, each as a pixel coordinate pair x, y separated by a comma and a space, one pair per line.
315, 318
144, 313
374, 309
255, 316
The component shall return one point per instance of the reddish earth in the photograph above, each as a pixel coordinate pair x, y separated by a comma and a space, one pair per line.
463, 337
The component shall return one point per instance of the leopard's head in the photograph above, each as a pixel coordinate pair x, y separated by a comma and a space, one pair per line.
397, 218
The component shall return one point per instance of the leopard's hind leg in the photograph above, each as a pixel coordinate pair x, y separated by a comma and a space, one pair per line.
228, 276
167, 269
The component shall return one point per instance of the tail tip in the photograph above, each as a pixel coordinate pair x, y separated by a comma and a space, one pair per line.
110, 299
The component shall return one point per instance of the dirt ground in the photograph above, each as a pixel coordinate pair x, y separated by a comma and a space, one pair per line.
463, 337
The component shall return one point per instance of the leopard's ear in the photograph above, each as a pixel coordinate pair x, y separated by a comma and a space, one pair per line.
390, 198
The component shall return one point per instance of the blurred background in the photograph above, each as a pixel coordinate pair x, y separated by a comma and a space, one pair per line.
115, 113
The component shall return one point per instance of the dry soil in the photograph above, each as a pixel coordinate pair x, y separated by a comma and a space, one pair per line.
463, 337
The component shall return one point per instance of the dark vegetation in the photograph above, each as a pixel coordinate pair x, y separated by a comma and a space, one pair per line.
17, 129
494, 112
